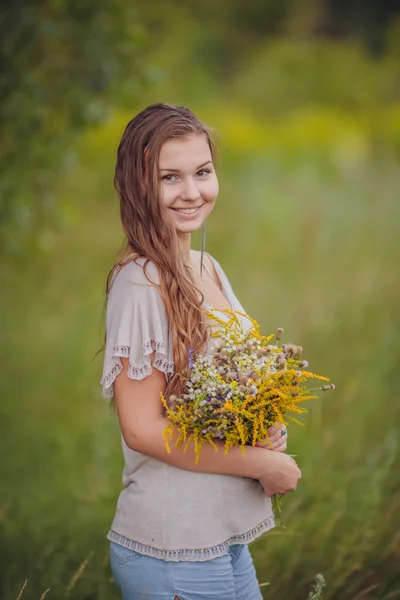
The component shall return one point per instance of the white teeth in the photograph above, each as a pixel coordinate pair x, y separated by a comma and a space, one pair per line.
187, 211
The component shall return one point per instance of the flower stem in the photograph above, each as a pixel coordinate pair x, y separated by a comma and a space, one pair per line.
277, 504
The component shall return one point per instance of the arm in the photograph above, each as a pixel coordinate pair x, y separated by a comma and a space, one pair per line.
142, 424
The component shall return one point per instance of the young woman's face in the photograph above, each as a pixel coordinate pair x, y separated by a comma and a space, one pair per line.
188, 182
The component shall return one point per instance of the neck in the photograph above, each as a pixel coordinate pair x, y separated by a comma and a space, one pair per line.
184, 243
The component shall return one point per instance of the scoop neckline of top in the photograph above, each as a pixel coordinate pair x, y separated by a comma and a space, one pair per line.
224, 290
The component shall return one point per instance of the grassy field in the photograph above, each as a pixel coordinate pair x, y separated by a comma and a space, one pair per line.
308, 231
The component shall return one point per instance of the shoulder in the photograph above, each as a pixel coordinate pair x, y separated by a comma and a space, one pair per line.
135, 270
134, 295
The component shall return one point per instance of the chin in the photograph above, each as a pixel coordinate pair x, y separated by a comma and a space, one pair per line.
189, 228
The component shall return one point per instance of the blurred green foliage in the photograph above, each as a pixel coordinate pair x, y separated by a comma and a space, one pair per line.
61, 62
307, 227
66, 65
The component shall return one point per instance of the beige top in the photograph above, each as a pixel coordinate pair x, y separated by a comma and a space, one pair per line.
163, 511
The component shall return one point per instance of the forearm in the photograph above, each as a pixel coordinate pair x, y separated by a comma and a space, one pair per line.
234, 463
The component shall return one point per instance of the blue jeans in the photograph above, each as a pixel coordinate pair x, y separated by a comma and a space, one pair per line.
228, 577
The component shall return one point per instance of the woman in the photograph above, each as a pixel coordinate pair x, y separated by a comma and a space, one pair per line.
181, 529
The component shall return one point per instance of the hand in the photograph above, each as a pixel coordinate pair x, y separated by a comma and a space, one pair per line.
279, 473
277, 437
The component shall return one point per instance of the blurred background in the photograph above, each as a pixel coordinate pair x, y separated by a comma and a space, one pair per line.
305, 99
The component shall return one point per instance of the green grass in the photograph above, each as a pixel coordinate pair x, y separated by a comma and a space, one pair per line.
310, 241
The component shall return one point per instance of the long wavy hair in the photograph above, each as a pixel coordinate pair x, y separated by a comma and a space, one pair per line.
148, 230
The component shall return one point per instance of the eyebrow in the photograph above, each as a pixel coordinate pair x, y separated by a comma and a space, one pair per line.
197, 168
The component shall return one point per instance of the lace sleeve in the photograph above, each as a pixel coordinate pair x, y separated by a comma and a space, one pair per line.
136, 327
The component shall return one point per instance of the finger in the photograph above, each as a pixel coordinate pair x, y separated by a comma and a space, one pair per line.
279, 441
267, 444
274, 441
276, 427
266, 490
275, 432
288, 492
281, 448
274, 438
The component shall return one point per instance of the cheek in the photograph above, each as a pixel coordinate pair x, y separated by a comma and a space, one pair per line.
210, 190
166, 193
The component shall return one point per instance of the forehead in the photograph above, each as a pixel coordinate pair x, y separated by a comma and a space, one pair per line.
188, 152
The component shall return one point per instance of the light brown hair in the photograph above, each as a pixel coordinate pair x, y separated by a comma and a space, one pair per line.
147, 227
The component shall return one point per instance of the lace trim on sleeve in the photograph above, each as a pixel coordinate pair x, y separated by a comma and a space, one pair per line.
137, 370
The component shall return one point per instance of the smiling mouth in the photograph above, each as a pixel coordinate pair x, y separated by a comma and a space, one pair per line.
188, 211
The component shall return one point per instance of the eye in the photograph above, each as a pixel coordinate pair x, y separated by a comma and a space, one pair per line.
203, 172
170, 177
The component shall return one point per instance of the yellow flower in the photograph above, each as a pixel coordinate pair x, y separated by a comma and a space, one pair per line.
270, 389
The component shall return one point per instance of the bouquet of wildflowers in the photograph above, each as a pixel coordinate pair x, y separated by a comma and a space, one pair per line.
246, 386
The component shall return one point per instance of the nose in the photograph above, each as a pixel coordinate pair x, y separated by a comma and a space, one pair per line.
189, 189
